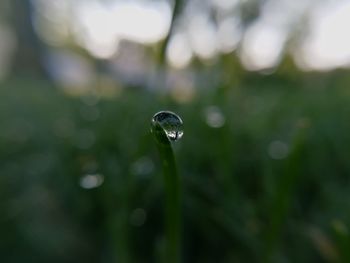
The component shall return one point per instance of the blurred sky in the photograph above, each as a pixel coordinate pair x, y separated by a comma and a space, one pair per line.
259, 33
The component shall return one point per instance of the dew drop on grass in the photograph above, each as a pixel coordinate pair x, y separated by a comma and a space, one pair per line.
170, 122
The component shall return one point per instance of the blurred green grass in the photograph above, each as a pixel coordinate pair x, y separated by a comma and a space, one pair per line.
270, 185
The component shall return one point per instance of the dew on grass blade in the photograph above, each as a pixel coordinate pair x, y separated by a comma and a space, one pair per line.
170, 122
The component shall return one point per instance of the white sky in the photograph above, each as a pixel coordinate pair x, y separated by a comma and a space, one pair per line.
328, 44
101, 27
98, 27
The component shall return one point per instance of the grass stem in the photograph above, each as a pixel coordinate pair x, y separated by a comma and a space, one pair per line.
172, 196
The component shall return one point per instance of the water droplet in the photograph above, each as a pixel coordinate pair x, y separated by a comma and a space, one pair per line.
170, 122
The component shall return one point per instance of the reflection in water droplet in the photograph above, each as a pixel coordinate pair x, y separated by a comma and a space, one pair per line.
171, 123
90, 181
138, 217
214, 117
278, 150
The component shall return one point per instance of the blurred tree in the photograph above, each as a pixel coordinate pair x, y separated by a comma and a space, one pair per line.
250, 11
177, 8
29, 54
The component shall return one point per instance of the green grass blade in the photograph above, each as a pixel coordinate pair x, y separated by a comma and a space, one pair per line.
172, 196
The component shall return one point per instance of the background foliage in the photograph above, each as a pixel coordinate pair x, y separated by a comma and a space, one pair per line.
244, 199
263, 161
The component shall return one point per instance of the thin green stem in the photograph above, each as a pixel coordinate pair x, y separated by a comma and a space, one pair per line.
172, 196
